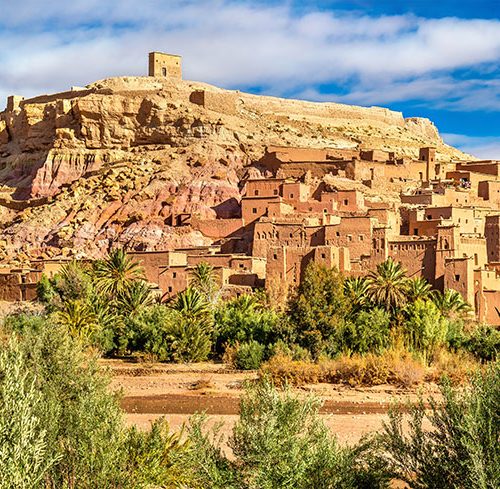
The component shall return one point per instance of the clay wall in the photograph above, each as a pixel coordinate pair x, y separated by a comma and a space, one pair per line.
153, 261
492, 235
294, 192
252, 208
276, 209
490, 191
375, 155
349, 200
222, 102
487, 296
489, 167
217, 228
298, 170
459, 276
269, 187
417, 256
173, 280
354, 233
473, 247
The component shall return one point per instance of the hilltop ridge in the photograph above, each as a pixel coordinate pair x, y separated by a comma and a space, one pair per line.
108, 163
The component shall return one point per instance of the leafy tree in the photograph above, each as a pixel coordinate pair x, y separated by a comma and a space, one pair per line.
461, 450
319, 308
367, 332
245, 319
78, 319
116, 273
426, 327
388, 285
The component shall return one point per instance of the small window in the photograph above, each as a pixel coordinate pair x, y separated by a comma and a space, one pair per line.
291, 235
170, 289
275, 256
346, 202
361, 237
275, 191
323, 255
415, 231
338, 234
291, 196
164, 71
256, 192
349, 237
242, 265
457, 278
174, 275
476, 260
254, 210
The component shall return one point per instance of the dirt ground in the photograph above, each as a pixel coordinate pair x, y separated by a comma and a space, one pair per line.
178, 391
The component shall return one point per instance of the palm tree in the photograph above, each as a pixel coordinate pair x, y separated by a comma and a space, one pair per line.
135, 297
418, 288
203, 279
190, 303
450, 302
116, 273
388, 285
356, 292
78, 318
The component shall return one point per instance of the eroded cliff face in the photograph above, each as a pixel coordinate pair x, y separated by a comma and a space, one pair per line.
83, 170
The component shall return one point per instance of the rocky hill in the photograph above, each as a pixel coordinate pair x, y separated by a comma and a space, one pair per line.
109, 163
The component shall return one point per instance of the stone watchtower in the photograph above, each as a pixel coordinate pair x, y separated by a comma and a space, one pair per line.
165, 65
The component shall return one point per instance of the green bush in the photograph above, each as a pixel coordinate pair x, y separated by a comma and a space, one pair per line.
484, 343
242, 320
249, 356
369, 332
461, 449
61, 427
280, 441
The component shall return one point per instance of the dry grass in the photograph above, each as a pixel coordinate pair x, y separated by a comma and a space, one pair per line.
392, 367
457, 367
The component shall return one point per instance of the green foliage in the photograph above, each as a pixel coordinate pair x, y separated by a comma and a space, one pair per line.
137, 296
280, 441
418, 288
426, 328
319, 308
356, 293
249, 356
116, 273
61, 427
25, 457
203, 279
368, 332
388, 285
450, 303
244, 319
461, 449
484, 343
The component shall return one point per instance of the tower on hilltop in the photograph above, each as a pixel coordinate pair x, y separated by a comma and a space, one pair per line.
165, 65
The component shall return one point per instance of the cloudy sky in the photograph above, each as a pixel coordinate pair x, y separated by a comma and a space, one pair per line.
436, 59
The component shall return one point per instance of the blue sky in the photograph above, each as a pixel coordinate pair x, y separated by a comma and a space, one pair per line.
436, 59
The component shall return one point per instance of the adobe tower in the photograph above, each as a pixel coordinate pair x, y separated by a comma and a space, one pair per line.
165, 65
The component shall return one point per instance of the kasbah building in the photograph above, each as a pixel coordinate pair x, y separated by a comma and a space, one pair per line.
311, 206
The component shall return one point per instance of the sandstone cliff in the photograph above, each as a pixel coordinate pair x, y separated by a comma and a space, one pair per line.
111, 163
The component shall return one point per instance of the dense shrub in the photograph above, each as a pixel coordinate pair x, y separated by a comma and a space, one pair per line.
249, 356
367, 332
281, 442
244, 319
61, 427
483, 343
461, 449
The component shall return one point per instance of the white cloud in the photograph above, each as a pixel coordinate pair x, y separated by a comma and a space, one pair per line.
481, 147
48, 46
